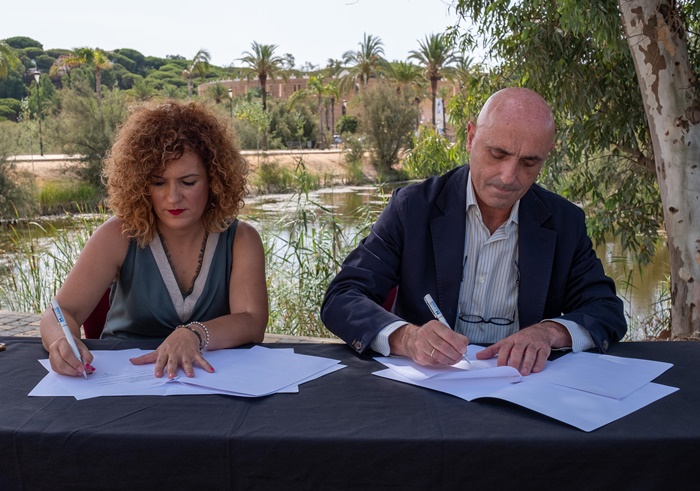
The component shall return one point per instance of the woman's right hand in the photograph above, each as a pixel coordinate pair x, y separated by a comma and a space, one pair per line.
63, 360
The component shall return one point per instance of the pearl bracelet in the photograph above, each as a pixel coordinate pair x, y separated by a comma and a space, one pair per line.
195, 331
204, 329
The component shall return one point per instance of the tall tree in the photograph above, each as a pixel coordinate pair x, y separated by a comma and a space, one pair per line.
669, 86
365, 62
96, 59
261, 62
436, 53
405, 76
317, 90
198, 65
629, 137
8, 59
333, 94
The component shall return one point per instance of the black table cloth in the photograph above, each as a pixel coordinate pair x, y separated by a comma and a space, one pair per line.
346, 430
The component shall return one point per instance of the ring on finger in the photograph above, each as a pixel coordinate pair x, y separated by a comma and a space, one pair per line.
432, 352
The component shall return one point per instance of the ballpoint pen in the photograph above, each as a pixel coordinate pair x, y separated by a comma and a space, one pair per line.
438, 315
66, 331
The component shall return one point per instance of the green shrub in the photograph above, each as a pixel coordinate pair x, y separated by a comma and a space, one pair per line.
431, 155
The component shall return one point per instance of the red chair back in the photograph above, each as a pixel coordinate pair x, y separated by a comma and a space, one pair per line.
389, 302
95, 322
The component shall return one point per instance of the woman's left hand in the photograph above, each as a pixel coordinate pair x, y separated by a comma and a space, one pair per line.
180, 349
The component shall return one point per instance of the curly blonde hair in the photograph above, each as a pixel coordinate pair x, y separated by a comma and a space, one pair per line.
152, 136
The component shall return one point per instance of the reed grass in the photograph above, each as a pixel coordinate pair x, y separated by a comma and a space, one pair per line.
41, 254
68, 196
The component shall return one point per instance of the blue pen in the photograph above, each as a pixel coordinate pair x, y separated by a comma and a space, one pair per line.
66, 331
438, 315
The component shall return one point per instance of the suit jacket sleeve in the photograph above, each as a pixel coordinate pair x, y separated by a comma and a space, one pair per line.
400, 251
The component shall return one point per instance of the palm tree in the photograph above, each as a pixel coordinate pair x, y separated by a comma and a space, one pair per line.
8, 59
405, 75
365, 62
316, 89
408, 79
332, 91
435, 54
96, 59
199, 65
262, 63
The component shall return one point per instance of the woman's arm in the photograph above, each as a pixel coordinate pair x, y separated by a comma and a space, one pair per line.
247, 294
93, 272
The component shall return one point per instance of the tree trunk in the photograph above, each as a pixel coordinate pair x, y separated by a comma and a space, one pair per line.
98, 83
433, 95
321, 137
263, 86
657, 40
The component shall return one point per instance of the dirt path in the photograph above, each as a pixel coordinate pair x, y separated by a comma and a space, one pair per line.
321, 162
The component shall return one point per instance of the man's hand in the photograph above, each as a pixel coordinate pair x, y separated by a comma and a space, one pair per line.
430, 344
528, 349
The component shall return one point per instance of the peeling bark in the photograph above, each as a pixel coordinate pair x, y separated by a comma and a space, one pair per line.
658, 45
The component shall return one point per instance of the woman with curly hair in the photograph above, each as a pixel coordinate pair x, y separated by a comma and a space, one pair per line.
180, 265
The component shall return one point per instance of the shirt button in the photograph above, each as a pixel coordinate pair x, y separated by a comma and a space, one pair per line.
481, 279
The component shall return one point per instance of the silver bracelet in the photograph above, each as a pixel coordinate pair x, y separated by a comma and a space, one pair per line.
206, 333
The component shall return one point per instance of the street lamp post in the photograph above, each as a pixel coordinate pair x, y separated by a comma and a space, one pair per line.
230, 96
37, 77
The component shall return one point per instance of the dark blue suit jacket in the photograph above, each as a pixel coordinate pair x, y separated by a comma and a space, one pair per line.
418, 242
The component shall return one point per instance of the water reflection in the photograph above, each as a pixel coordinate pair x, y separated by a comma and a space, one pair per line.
643, 290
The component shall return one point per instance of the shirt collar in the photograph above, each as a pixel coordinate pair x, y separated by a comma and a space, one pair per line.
471, 202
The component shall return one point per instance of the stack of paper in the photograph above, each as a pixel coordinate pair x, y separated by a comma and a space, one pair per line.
253, 372
585, 390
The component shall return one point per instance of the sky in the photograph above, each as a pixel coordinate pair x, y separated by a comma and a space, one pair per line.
311, 30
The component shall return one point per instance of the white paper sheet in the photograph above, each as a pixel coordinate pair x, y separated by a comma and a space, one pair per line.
587, 391
248, 373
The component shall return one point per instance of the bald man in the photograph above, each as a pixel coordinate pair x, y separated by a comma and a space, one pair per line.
509, 264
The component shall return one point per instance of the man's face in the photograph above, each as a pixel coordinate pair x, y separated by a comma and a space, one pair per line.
506, 155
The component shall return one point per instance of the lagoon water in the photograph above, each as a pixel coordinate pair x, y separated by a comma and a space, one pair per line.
642, 290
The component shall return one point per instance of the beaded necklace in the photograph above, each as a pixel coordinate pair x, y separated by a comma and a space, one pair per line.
200, 259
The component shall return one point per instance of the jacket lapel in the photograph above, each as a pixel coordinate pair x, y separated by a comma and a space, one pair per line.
536, 245
447, 229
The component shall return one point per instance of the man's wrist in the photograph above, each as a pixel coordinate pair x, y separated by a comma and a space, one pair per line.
398, 339
559, 335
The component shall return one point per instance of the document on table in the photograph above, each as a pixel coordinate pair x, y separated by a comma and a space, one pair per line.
585, 390
253, 372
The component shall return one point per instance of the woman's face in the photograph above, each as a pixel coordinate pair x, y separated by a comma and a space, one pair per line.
180, 194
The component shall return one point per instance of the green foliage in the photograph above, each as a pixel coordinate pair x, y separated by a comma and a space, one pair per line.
364, 63
290, 127
432, 155
303, 252
68, 197
47, 95
21, 42
577, 58
12, 86
273, 178
346, 124
15, 187
254, 114
9, 109
38, 266
87, 128
388, 118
